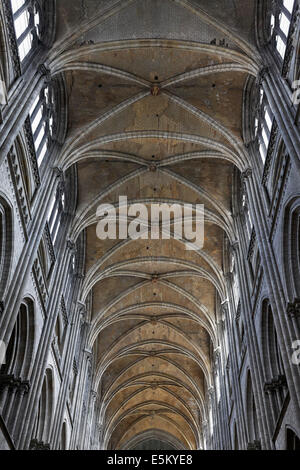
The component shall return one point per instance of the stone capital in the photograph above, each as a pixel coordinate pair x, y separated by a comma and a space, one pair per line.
293, 309
225, 307
94, 395
58, 172
262, 74
24, 387
45, 72
275, 384
247, 174
82, 308
38, 445
256, 445
217, 354
71, 246
229, 276
88, 353
80, 276
238, 316
234, 245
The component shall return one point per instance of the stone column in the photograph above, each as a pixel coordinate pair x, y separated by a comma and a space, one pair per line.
15, 289
42, 354
252, 343
276, 292
19, 109
281, 107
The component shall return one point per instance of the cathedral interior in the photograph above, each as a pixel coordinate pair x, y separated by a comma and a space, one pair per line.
130, 344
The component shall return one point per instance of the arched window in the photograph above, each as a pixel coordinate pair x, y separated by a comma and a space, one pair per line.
41, 433
27, 176
56, 211
69, 286
280, 23
278, 166
246, 212
20, 346
263, 124
242, 334
4, 68
5, 244
252, 421
42, 123
5, 77
64, 437
234, 278
27, 22
240, 203
235, 438
292, 440
291, 248
15, 373
275, 385
45, 259
58, 333
73, 263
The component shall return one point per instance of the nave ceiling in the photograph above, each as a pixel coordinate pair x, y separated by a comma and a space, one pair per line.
155, 99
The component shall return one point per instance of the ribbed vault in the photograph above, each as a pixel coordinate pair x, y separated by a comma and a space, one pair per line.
155, 113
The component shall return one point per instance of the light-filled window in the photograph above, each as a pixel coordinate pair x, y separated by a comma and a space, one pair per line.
21, 23
248, 219
55, 213
263, 125
280, 24
27, 25
41, 118
16, 5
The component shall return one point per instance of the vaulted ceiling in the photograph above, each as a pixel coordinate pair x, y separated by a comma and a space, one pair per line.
155, 92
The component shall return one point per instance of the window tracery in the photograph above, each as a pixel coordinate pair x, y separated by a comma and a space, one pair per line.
27, 25
42, 123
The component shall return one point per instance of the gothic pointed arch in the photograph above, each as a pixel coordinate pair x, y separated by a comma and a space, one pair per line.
172, 116
292, 440
252, 416
291, 248
6, 237
44, 416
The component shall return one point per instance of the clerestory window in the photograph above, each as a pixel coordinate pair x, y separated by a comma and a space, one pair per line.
42, 120
263, 124
280, 23
26, 17
55, 213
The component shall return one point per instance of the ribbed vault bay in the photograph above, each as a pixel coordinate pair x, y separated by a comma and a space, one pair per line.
155, 114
